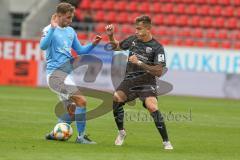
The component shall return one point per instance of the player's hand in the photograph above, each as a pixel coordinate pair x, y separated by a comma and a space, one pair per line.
54, 20
133, 59
97, 39
109, 29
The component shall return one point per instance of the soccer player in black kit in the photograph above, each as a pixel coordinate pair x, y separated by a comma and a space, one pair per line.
146, 62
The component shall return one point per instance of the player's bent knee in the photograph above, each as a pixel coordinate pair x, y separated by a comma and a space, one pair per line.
151, 104
119, 96
79, 100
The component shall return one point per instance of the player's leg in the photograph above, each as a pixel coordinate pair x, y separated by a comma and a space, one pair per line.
151, 104
66, 117
80, 118
63, 84
119, 97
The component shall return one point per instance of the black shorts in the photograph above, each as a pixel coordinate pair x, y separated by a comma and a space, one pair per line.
141, 90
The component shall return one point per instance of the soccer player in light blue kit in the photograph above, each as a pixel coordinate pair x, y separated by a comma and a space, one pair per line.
58, 38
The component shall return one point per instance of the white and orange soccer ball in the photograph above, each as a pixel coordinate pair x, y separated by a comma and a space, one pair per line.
62, 131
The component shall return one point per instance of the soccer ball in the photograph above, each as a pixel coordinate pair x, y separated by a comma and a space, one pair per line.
62, 131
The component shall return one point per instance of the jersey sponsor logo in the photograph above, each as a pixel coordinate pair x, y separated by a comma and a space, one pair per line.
140, 56
148, 50
161, 58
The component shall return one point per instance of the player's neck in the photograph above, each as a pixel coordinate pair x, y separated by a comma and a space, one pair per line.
147, 38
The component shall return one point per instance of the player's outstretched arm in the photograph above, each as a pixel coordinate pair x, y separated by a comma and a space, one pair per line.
47, 34
155, 70
112, 40
80, 49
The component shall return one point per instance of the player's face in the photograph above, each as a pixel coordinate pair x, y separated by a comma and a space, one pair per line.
65, 19
142, 31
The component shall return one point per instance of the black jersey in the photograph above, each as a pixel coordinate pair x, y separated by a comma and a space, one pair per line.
151, 53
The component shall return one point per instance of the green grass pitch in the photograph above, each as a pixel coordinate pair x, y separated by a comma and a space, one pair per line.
199, 129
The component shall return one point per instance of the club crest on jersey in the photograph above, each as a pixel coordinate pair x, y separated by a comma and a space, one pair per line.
133, 43
161, 58
148, 50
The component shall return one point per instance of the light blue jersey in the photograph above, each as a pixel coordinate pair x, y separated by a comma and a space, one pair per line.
58, 43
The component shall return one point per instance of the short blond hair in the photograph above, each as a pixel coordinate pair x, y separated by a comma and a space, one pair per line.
65, 8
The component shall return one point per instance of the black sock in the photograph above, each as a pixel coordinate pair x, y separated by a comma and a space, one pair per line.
118, 113
159, 122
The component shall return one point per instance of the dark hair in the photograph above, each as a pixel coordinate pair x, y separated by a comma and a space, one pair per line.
64, 8
146, 20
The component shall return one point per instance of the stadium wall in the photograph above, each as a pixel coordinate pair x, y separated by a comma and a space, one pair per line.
21, 6
192, 71
33, 23
5, 19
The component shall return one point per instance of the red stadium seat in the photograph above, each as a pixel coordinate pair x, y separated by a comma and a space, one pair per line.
110, 16
219, 22
231, 23
105, 38
194, 21
100, 27
206, 22
197, 33
187, 1
182, 20
78, 14
164, 41
122, 17
233, 35
167, 8
97, 4
170, 19
178, 41
222, 34
99, 16
183, 32
192, 9
199, 43
237, 34
237, 45
91, 36
189, 42
156, 8
154, 30
120, 5
236, 2
132, 6
212, 2
211, 33
128, 29
215, 11
224, 2
85, 4
144, 7
200, 1
228, 11
203, 10
171, 31
158, 19
108, 5
82, 36
226, 44
237, 12
161, 31
213, 43
132, 17
179, 9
